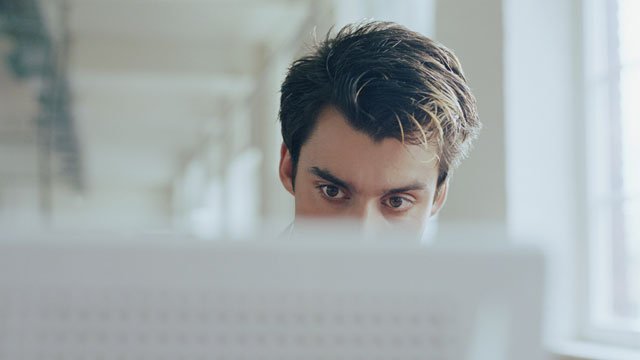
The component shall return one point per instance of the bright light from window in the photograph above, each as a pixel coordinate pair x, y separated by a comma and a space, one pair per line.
629, 38
613, 110
629, 31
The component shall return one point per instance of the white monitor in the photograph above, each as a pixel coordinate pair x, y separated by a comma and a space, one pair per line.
182, 299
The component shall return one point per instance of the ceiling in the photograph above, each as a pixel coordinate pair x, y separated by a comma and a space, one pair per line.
147, 79
149, 76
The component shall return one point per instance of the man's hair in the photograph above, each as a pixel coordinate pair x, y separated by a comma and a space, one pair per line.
388, 82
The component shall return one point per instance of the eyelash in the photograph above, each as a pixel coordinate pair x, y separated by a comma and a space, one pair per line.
409, 201
321, 188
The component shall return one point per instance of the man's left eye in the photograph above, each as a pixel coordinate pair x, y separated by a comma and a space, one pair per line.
398, 203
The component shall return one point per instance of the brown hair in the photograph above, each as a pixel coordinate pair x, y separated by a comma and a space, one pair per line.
387, 81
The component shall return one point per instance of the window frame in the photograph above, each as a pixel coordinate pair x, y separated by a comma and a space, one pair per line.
604, 175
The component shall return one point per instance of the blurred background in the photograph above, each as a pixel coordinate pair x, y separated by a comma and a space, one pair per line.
161, 115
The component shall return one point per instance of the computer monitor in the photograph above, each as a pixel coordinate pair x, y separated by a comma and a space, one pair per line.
183, 299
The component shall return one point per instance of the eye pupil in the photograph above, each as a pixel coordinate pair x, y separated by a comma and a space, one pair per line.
331, 191
395, 202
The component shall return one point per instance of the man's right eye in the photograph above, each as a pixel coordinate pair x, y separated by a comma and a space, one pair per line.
332, 192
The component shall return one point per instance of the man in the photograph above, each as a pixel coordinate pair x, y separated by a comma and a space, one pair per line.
374, 121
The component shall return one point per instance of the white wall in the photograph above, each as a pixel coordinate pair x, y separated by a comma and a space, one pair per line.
545, 157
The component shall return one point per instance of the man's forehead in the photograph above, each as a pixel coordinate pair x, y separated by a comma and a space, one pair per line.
366, 165
336, 145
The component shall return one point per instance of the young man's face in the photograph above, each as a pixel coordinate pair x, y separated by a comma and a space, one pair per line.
343, 173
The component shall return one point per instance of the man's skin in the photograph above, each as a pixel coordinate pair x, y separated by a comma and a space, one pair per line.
344, 173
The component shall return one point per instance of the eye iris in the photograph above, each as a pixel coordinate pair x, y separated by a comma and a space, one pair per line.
331, 191
395, 202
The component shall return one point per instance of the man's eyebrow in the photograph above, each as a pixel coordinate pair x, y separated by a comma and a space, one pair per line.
412, 187
327, 175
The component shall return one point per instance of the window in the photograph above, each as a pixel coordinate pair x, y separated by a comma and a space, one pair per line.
613, 106
629, 68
